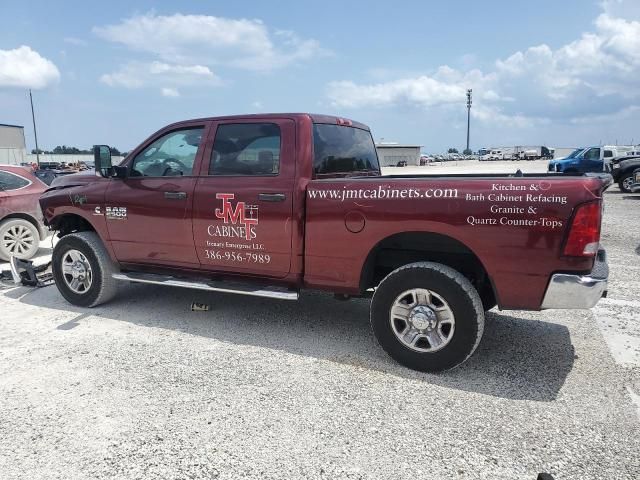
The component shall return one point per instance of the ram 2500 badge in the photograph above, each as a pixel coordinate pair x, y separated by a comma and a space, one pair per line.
272, 204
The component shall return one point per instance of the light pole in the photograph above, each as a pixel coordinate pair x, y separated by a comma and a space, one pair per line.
35, 133
468, 117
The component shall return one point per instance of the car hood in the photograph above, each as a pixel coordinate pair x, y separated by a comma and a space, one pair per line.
75, 179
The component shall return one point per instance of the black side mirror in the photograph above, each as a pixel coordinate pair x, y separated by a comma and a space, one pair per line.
102, 159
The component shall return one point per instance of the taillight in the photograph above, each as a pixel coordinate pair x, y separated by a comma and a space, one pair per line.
584, 235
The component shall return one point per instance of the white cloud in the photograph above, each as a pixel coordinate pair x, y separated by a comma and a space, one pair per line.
75, 41
25, 68
209, 40
140, 74
592, 76
170, 92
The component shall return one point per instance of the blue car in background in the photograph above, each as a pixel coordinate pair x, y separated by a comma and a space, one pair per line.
583, 160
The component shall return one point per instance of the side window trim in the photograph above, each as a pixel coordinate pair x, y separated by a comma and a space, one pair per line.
206, 129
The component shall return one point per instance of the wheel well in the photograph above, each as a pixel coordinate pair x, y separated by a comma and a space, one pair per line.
70, 223
28, 218
409, 247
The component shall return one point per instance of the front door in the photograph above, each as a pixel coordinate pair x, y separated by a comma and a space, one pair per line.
591, 161
148, 214
242, 220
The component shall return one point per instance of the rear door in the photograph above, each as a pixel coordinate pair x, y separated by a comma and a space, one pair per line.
148, 214
242, 218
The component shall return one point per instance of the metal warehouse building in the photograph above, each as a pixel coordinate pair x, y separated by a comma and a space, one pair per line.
13, 148
389, 154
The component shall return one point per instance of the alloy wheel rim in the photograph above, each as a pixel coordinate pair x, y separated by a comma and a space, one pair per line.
422, 320
627, 182
76, 271
18, 240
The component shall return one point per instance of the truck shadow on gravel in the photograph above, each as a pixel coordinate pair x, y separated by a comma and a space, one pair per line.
518, 358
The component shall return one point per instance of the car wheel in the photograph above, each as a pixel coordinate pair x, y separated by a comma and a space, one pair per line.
18, 238
625, 182
83, 270
427, 316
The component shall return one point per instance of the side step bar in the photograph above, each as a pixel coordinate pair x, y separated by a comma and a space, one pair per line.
211, 286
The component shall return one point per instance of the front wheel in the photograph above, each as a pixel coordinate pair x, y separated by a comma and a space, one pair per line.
427, 316
83, 270
625, 182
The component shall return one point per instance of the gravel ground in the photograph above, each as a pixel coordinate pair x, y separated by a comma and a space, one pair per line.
143, 388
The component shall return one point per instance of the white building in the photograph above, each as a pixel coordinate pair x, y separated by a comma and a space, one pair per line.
13, 148
391, 154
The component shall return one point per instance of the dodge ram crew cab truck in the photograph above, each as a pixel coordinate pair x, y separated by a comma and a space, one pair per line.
268, 205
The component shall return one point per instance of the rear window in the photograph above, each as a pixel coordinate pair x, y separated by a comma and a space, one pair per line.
11, 181
340, 149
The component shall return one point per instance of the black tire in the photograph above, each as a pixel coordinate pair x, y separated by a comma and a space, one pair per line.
625, 182
462, 299
14, 229
103, 286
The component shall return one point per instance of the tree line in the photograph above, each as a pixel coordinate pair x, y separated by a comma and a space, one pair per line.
64, 150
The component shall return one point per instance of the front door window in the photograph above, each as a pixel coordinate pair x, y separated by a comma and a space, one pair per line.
172, 155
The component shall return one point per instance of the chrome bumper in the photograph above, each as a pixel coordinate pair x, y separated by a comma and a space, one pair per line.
578, 291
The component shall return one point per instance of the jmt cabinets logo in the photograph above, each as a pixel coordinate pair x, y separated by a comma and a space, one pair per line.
243, 214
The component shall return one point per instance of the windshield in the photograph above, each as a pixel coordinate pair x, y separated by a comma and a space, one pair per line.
575, 153
341, 149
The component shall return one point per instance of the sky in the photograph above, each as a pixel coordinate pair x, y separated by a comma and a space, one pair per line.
543, 73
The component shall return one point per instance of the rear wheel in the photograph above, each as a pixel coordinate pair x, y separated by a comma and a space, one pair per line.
427, 316
83, 270
18, 238
625, 182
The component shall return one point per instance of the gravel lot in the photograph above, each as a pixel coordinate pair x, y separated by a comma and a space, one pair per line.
144, 388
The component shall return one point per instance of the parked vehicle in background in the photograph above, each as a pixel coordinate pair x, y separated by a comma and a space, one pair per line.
21, 229
573, 154
514, 153
284, 202
491, 156
51, 165
635, 186
591, 159
533, 153
48, 176
622, 170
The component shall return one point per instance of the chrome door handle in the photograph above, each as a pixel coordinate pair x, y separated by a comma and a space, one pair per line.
175, 195
272, 197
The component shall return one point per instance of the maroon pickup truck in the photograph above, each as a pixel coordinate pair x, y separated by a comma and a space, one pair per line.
268, 205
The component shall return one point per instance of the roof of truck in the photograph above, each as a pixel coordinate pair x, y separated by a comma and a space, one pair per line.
315, 118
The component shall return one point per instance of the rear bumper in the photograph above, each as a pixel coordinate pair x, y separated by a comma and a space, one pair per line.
578, 291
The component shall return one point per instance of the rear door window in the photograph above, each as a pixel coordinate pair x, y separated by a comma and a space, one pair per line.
342, 149
246, 149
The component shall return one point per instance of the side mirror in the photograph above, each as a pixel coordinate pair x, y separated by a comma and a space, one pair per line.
102, 159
